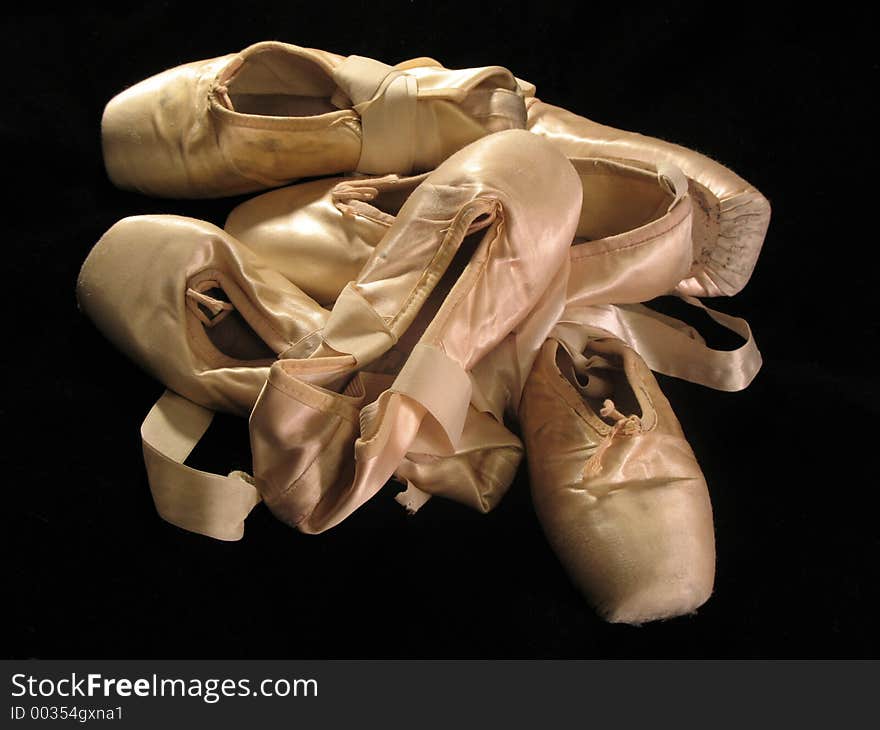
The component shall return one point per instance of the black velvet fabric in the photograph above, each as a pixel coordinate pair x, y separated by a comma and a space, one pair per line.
786, 100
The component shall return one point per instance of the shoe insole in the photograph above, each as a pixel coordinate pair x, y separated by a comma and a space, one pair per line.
281, 105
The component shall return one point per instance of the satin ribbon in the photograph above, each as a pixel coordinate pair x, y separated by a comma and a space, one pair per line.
198, 501
672, 347
355, 327
396, 136
385, 98
413, 414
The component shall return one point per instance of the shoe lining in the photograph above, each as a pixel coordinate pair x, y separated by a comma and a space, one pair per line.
600, 382
391, 200
616, 201
278, 83
280, 105
233, 336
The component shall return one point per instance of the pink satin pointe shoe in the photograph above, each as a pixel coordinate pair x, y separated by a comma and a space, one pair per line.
471, 252
310, 234
200, 313
615, 485
275, 112
730, 216
206, 318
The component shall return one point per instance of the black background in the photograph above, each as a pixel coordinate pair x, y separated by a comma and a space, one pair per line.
786, 100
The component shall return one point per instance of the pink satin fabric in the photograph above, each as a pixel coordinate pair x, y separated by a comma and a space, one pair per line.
628, 513
487, 190
134, 284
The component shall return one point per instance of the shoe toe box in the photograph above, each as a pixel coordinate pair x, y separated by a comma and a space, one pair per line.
640, 551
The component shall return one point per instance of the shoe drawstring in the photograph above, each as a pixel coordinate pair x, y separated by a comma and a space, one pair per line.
218, 308
353, 198
347, 194
623, 426
223, 92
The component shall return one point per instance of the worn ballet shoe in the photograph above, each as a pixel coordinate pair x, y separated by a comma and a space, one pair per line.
471, 252
634, 244
616, 487
200, 313
276, 112
730, 216
206, 318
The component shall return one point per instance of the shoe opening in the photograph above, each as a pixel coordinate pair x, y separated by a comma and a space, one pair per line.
225, 327
600, 377
618, 198
278, 82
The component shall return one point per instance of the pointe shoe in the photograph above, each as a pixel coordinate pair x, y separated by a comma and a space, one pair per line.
206, 318
730, 216
471, 252
200, 313
616, 487
276, 112
634, 244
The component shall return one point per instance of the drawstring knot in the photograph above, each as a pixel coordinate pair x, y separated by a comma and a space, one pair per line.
219, 309
346, 195
624, 426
